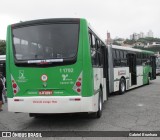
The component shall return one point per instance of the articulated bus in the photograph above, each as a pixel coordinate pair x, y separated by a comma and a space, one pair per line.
63, 66
129, 68
3, 64
55, 66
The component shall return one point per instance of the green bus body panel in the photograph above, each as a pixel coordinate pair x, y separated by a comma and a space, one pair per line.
9, 55
146, 70
30, 83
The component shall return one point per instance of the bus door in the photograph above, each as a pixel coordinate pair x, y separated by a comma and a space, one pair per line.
153, 65
105, 69
132, 68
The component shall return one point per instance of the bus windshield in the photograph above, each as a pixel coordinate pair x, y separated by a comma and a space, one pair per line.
45, 42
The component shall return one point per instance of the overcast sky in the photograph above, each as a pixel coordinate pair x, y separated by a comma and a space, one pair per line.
120, 17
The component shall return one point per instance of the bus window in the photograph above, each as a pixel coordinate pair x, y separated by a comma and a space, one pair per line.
50, 36
125, 54
93, 51
114, 54
121, 55
117, 54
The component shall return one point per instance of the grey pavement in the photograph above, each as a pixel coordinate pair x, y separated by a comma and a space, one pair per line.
136, 110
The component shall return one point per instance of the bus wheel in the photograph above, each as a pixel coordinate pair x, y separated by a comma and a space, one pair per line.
122, 86
98, 114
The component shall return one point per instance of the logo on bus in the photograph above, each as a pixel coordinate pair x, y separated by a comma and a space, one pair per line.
44, 77
21, 74
21, 77
122, 72
64, 77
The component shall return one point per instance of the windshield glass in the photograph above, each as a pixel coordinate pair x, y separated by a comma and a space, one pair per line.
48, 41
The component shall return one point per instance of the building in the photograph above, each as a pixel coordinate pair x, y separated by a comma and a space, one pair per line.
152, 44
134, 36
141, 35
150, 33
108, 40
139, 44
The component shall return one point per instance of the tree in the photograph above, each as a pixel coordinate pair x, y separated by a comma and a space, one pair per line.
2, 47
116, 43
130, 42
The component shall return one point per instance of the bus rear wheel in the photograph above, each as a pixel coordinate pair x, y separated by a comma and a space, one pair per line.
98, 114
122, 86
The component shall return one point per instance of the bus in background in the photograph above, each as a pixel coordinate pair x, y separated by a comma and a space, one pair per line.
3, 64
157, 65
55, 66
3, 72
129, 68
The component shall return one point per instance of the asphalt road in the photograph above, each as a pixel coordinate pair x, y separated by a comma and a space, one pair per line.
136, 110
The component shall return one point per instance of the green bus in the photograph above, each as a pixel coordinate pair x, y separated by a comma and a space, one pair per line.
63, 66
55, 66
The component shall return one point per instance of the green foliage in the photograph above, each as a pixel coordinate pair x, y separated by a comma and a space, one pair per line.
151, 39
2, 47
142, 40
116, 43
145, 41
119, 39
129, 42
138, 47
148, 40
154, 48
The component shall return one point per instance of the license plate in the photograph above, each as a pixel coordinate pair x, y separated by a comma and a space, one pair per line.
45, 92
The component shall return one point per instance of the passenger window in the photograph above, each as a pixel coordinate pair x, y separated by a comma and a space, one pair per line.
114, 54
121, 54
93, 51
117, 54
125, 54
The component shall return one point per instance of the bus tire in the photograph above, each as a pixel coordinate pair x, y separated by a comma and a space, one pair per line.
122, 86
98, 114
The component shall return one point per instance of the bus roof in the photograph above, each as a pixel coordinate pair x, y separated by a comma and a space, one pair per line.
47, 20
131, 49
